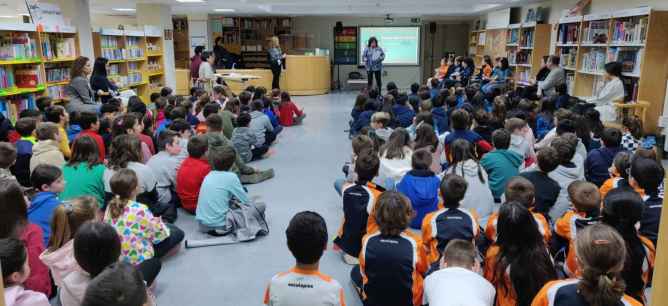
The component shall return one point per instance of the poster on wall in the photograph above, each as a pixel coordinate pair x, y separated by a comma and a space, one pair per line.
46, 16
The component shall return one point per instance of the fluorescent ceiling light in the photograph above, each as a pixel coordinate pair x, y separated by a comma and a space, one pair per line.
190, 1
484, 7
224, 10
124, 9
7, 16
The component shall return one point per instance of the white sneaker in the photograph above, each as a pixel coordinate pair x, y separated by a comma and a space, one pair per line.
350, 260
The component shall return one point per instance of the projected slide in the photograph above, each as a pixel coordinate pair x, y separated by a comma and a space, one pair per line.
401, 44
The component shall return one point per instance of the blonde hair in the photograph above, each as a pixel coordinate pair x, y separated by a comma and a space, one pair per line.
274, 43
68, 217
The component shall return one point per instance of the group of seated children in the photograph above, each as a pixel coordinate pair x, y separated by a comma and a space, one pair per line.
573, 210
105, 188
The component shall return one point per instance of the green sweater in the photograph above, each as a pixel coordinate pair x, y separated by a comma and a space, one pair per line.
228, 123
500, 166
80, 180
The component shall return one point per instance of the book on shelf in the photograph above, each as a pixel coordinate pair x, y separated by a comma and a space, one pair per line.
568, 57
17, 46
513, 36
630, 89
6, 78
56, 47
633, 30
570, 82
27, 77
594, 60
568, 33
59, 74
228, 22
596, 32
10, 107
629, 57
526, 39
56, 92
109, 42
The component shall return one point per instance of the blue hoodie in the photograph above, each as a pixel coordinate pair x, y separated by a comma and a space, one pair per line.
362, 121
440, 119
403, 115
73, 132
272, 117
41, 211
597, 163
421, 187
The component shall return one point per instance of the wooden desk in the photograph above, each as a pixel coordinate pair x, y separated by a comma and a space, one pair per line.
307, 75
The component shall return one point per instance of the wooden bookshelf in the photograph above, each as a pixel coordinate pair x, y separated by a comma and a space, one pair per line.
41, 69
136, 58
567, 46
644, 74
533, 43
477, 40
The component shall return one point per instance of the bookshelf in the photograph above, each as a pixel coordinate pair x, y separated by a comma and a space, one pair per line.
525, 53
567, 46
33, 63
477, 46
249, 36
135, 58
638, 39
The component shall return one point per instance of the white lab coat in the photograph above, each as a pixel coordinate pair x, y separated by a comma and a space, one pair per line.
612, 91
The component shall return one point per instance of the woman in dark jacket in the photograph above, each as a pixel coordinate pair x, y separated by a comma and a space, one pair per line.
102, 87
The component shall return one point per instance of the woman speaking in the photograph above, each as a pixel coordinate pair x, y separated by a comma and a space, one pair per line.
276, 57
373, 58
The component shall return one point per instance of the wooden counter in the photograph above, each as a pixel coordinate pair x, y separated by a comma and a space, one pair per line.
303, 76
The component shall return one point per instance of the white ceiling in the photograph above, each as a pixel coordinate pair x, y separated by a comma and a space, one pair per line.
412, 8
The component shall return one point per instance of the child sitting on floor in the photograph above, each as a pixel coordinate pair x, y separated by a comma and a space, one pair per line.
648, 174
421, 186
585, 211
244, 140
379, 127
219, 187
21, 169
118, 285
599, 160
290, 114
460, 129
547, 189
501, 164
46, 150
191, 174
164, 166
307, 240
48, 181
359, 143
395, 159
15, 271
95, 246
450, 222
391, 261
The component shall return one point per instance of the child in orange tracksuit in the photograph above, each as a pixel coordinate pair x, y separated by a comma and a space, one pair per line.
619, 174
392, 260
521, 190
359, 199
450, 222
586, 209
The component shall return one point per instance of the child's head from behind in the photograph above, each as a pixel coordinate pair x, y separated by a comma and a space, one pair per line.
633, 125
600, 252
611, 138
125, 187
307, 237
367, 165
452, 188
515, 125
459, 253
360, 143
565, 149
25, 126
521, 190
647, 174
621, 164
120, 284
222, 158
584, 196
14, 211
7, 155
547, 159
393, 213
68, 217
96, 246
421, 159
501, 139
460, 119
210, 108
56, 114
243, 120
47, 131
14, 260
89, 121
198, 146
425, 137
516, 226
397, 143
380, 120
424, 117
622, 209
214, 123
47, 178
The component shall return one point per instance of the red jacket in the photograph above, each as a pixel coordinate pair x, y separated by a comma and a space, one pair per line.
189, 179
98, 139
39, 279
288, 111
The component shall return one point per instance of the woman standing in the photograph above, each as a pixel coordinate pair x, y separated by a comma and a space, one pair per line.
207, 75
102, 87
612, 91
195, 62
78, 91
276, 57
373, 58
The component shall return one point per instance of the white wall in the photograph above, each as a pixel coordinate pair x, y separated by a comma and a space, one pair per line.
111, 21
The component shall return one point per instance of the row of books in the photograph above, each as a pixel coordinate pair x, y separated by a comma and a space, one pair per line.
133, 66
110, 42
629, 57
594, 60
17, 46
524, 75
155, 83
6, 78
568, 57
114, 69
58, 47
570, 82
56, 92
59, 74
526, 39
133, 42
518, 57
596, 32
152, 47
264, 24
513, 36
631, 31
135, 52
10, 107
568, 33
125, 80
154, 65
120, 54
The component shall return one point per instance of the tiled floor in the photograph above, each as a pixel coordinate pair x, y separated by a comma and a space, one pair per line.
307, 160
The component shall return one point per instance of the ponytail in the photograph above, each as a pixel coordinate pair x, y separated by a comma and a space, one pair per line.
601, 288
67, 218
116, 206
123, 185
